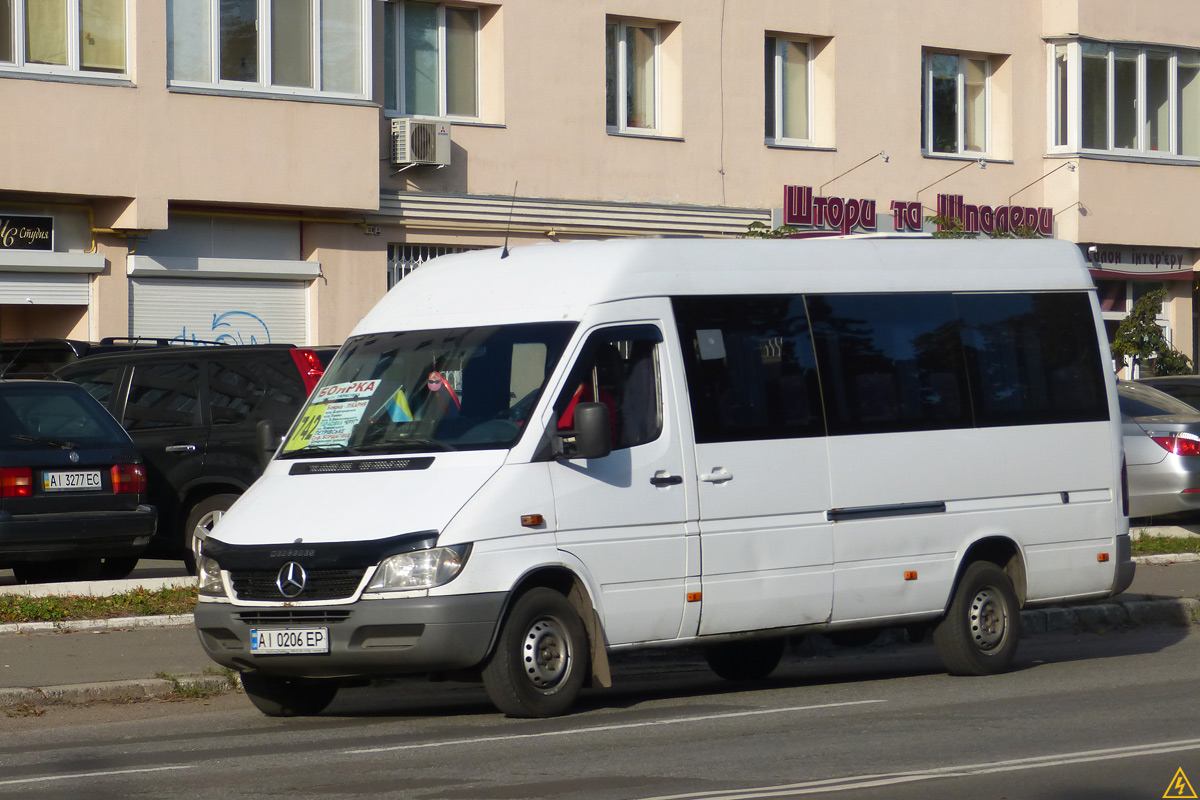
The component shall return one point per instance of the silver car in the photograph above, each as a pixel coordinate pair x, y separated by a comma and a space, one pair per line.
1162, 451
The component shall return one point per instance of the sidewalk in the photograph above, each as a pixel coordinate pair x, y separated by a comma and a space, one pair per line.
142, 657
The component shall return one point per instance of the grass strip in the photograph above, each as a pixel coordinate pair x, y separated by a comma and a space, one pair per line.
1160, 545
136, 603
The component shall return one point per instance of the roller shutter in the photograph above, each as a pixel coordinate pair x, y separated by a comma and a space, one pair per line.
235, 311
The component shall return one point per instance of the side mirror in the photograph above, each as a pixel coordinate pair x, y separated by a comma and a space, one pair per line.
264, 441
592, 434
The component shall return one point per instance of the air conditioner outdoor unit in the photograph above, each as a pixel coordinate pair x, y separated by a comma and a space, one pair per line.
420, 141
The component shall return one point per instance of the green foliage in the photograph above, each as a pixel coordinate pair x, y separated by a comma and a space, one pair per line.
137, 603
758, 230
1140, 341
954, 228
1155, 545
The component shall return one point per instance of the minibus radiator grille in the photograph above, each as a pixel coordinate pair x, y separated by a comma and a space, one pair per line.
322, 584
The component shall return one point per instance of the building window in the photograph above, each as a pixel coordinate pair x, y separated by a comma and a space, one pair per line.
404, 258
280, 46
64, 36
954, 104
431, 54
1141, 101
632, 57
789, 89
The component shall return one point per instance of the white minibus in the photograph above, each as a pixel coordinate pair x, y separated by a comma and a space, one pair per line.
520, 462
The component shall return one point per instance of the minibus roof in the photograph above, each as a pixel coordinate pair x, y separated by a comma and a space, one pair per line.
559, 281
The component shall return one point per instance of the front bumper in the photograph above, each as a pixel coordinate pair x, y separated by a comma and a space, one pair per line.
100, 534
368, 638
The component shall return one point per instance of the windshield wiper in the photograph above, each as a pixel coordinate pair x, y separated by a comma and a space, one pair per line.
59, 443
330, 450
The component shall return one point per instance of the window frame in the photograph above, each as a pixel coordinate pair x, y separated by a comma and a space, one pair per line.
73, 68
777, 46
395, 101
264, 56
927, 107
620, 79
1072, 105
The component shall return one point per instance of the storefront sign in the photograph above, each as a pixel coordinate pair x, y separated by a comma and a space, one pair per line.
1138, 261
26, 233
802, 209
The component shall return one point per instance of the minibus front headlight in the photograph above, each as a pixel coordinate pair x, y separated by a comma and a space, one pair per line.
209, 578
420, 569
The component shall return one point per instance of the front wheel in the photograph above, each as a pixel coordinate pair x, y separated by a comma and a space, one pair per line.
751, 660
288, 697
978, 635
541, 658
200, 522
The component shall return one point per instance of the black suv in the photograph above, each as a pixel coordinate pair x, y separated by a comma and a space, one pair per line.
72, 486
192, 412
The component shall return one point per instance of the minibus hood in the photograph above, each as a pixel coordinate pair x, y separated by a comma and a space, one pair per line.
291, 503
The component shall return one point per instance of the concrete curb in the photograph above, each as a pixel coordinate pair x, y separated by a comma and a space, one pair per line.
96, 588
191, 686
112, 624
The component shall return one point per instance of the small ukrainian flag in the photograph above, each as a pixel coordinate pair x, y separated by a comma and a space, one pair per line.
397, 407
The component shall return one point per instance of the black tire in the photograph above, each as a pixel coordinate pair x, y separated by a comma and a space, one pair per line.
751, 660
288, 697
203, 516
114, 569
541, 657
979, 634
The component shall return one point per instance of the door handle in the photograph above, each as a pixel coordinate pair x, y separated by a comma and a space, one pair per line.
718, 475
179, 448
664, 478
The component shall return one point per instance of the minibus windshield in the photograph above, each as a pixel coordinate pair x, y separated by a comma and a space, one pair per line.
429, 391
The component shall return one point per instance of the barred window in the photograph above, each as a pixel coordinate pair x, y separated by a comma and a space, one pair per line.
404, 258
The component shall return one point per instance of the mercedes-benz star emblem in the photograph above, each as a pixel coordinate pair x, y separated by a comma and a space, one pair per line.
74, 457
291, 580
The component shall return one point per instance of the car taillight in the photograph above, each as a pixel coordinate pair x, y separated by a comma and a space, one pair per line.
16, 482
310, 367
1181, 444
128, 479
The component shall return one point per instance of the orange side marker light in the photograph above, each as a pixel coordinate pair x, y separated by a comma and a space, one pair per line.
532, 520
693, 597
1102, 557
910, 575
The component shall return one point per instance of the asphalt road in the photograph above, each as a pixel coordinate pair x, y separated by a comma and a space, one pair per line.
1087, 716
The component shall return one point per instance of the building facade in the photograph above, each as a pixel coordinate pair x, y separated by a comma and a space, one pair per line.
253, 170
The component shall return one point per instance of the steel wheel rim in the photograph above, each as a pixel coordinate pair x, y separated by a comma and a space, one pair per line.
203, 529
546, 655
988, 619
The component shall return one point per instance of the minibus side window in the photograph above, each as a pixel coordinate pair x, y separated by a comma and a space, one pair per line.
621, 368
890, 362
750, 367
1032, 358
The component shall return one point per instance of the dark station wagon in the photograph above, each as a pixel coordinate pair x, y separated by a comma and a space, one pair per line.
72, 486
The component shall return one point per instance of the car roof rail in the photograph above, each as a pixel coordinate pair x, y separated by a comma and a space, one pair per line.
150, 341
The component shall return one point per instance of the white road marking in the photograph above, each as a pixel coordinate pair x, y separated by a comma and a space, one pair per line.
71, 776
890, 779
604, 728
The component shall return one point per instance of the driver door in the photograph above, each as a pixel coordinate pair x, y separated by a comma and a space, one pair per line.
624, 515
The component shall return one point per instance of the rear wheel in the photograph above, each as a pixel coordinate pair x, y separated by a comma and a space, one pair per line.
288, 697
203, 517
978, 635
541, 658
751, 660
